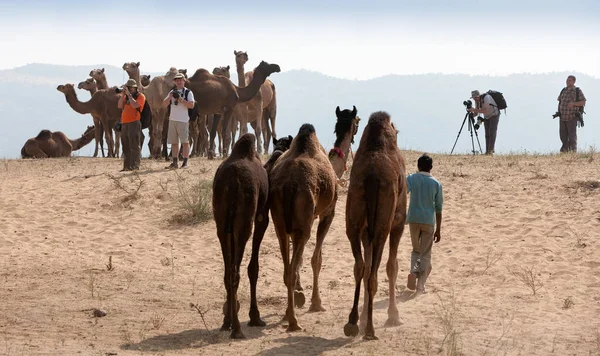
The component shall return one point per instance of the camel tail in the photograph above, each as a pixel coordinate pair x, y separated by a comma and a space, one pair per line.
372, 200
289, 194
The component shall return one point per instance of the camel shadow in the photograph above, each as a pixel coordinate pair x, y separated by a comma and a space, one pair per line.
401, 297
194, 339
305, 345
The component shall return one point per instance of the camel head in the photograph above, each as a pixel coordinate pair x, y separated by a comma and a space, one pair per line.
283, 144
97, 73
89, 130
222, 71
347, 124
266, 69
89, 84
184, 72
145, 79
240, 58
132, 69
66, 88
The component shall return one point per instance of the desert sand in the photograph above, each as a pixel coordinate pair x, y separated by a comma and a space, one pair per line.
505, 218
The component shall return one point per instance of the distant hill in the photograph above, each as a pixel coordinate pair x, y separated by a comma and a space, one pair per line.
427, 109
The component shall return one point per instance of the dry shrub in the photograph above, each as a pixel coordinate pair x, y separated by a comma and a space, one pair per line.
194, 201
529, 278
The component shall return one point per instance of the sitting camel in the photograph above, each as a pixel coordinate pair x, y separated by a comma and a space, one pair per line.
375, 208
48, 144
240, 190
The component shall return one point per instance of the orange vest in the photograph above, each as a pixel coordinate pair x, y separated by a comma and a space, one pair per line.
131, 114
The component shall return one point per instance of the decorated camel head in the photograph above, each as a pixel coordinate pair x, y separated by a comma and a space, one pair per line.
345, 129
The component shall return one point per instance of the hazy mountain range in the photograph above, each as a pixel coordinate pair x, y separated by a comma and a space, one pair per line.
427, 109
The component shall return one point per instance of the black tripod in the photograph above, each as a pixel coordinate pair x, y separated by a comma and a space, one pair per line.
471, 129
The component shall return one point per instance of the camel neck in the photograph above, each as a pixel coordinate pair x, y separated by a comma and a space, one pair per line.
338, 156
78, 106
102, 82
247, 93
241, 77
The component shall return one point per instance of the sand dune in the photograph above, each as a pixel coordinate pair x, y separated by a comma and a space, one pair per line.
505, 216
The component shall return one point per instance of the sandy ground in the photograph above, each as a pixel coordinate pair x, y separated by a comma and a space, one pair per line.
505, 216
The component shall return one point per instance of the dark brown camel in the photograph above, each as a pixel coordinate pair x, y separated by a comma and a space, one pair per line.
240, 190
48, 144
279, 147
216, 94
375, 208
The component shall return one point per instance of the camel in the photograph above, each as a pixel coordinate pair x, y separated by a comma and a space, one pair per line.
145, 80
48, 144
279, 148
100, 78
217, 95
91, 86
103, 104
347, 123
155, 93
261, 108
240, 191
302, 187
375, 208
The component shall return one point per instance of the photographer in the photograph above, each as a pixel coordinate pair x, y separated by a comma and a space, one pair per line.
486, 105
131, 103
570, 107
181, 100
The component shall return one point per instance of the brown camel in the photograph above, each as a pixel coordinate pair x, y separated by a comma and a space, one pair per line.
240, 190
217, 95
261, 108
375, 208
145, 79
91, 86
103, 104
48, 144
155, 93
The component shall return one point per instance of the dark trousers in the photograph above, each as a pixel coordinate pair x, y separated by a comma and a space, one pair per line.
568, 135
131, 136
491, 129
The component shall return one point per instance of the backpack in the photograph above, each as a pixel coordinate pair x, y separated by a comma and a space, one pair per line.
193, 112
145, 115
498, 98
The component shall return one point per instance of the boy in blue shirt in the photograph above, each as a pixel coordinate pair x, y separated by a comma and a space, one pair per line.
424, 214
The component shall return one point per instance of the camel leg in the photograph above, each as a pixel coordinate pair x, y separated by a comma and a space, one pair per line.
213, 132
351, 329
284, 245
117, 143
299, 237
377, 249
392, 273
109, 139
97, 135
165, 133
368, 252
256, 116
260, 227
266, 130
317, 259
227, 132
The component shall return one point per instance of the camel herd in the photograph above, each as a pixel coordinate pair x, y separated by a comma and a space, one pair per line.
297, 185
221, 106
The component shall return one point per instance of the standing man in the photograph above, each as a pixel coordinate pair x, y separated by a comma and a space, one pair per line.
424, 219
486, 105
131, 103
570, 106
181, 99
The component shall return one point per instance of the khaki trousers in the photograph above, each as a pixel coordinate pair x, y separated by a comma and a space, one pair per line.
421, 236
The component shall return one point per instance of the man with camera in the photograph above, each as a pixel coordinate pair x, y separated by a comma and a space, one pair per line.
486, 105
570, 109
180, 99
131, 103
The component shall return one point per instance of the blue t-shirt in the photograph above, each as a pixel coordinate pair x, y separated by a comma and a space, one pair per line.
426, 198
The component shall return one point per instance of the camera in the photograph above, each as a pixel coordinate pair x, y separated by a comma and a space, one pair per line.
176, 96
555, 115
480, 120
119, 90
468, 104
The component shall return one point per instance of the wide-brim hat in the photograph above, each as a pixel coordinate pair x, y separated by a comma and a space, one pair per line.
179, 76
475, 94
131, 83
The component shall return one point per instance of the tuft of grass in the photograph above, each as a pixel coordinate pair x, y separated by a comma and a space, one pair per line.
131, 188
529, 278
492, 258
157, 321
568, 303
447, 314
194, 201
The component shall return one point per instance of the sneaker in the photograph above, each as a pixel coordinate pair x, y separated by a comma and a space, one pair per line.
411, 283
172, 166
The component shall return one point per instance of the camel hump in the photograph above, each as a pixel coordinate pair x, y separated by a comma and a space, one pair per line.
200, 74
245, 147
44, 135
305, 139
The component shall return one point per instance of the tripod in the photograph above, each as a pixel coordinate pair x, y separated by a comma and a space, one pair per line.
471, 129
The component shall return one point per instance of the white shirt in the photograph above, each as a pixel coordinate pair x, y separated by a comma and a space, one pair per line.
179, 112
489, 107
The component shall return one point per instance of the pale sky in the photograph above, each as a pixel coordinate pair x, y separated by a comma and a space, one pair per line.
347, 39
